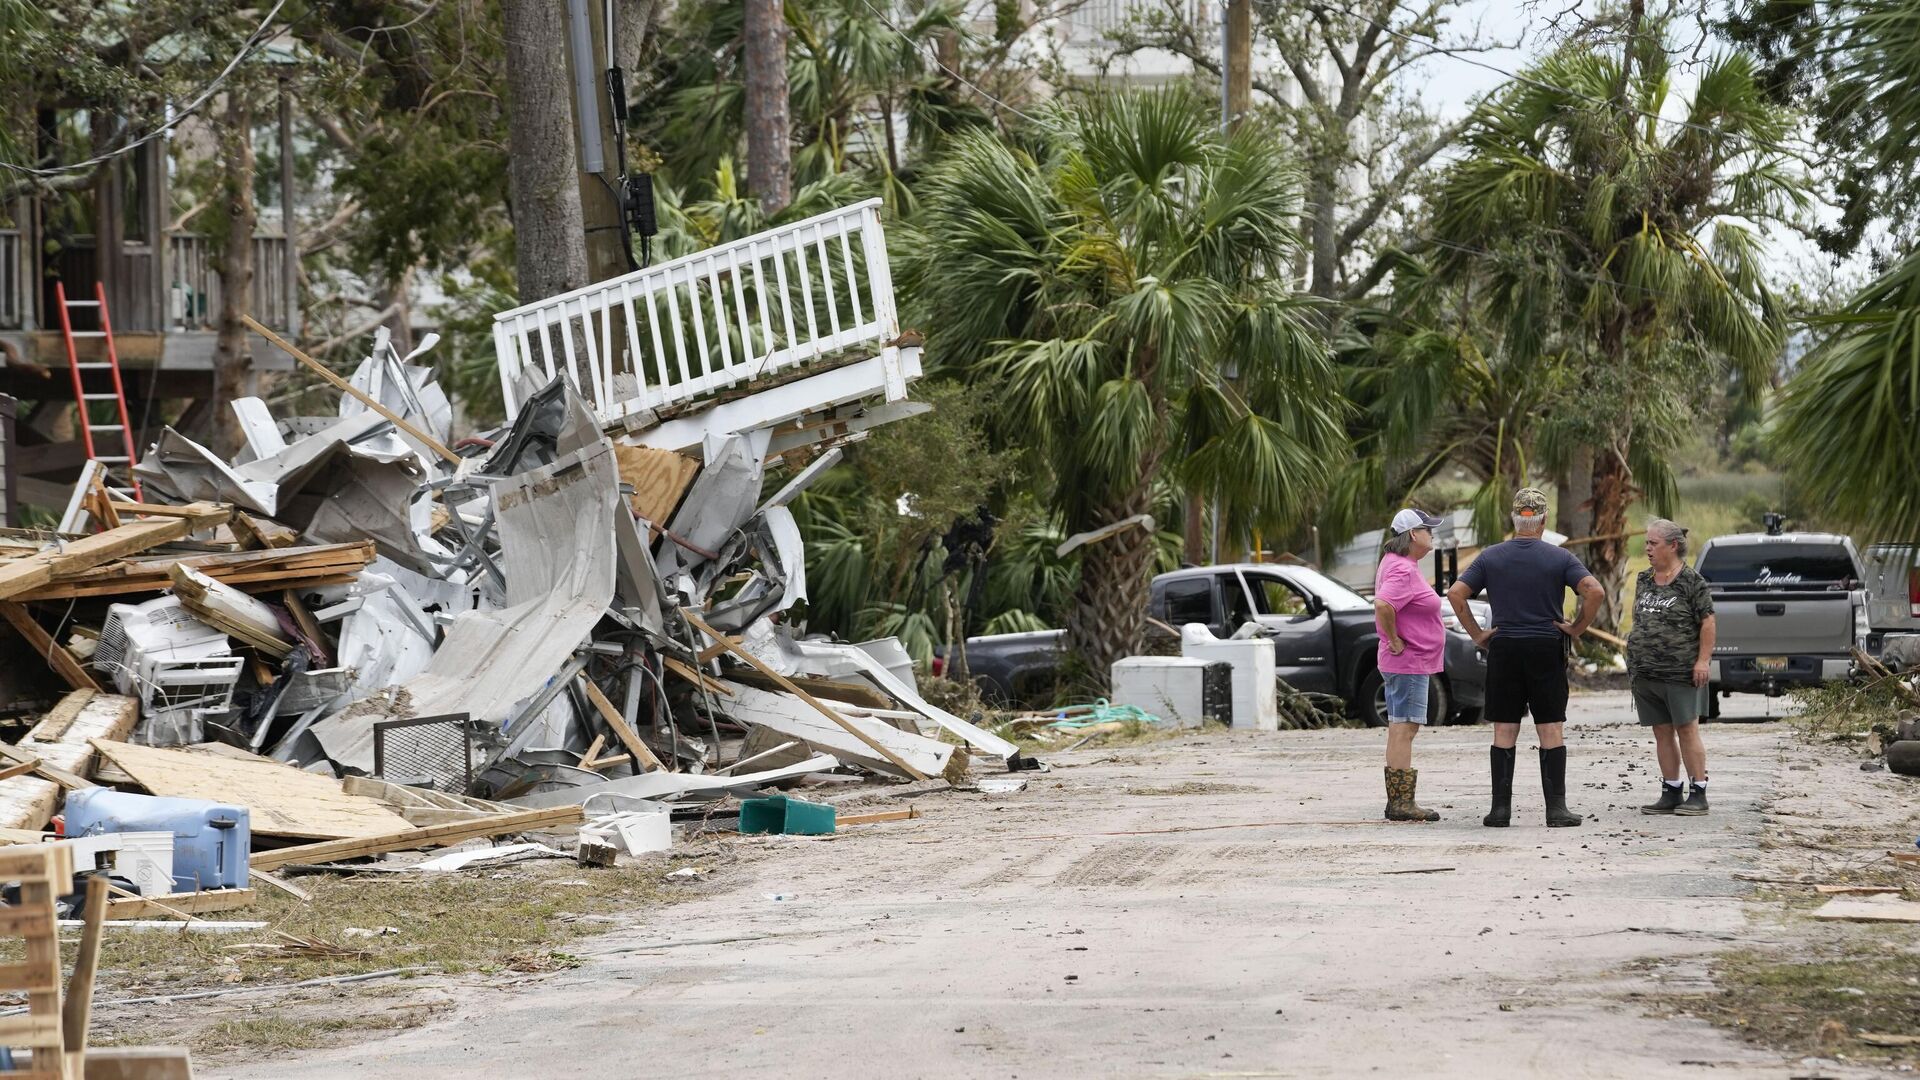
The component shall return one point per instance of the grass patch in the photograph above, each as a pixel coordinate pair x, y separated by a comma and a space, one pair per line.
276, 1032
1821, 1005
513, 918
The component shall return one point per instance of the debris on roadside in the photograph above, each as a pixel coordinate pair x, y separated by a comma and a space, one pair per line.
359, 636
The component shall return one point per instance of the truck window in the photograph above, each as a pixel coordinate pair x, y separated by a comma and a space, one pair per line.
1776, 564
1276, 597
1190, 601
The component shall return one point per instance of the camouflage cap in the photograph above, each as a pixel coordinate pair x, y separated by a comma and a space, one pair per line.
1530, 502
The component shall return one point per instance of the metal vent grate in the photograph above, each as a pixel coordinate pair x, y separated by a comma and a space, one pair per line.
428, 751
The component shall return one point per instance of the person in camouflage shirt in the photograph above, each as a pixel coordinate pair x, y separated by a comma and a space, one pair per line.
1667, 654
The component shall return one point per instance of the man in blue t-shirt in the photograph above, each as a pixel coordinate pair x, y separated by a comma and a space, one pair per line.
1526, 580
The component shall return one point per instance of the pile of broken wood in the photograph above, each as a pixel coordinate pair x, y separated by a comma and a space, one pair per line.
373, 642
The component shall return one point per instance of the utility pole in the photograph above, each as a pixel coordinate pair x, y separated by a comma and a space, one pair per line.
599, 199
1236, 99
769, 137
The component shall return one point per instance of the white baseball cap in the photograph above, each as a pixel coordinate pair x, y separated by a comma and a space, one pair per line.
1410, 519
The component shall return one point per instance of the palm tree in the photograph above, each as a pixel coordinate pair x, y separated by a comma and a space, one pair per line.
1848, 418
1121, 292
1619, 250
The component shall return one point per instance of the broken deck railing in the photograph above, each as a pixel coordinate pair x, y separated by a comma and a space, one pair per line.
800, 293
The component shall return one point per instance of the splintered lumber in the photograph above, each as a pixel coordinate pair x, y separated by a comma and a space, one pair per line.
77, 1013
61, 741
17, 576
659, 478
227, 608
1904, 911
199, 515
788, 685
869, 819
874, 745
618, 723
409, 839
43, 645
423, 806
280, 799
351, 390
262, 532
178, 904
852, 693
259, 571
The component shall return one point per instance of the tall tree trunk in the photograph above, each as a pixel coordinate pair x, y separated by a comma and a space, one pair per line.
1607, 559
1238, 47
1110, 603
1574, 513
769, 135
1193, 537
233, 376
1323, 199
550, 247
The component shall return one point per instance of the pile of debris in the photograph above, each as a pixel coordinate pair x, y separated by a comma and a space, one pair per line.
358, 636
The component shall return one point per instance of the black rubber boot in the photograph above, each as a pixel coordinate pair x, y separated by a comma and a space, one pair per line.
1502, 759
1670, 797
1553, 785
1696, 803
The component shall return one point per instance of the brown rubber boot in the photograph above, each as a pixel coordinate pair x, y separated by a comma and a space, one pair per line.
1400, 804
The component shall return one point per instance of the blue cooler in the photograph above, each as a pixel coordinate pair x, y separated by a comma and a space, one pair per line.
211, 841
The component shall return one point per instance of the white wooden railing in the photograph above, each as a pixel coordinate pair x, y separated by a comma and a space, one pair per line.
801, 293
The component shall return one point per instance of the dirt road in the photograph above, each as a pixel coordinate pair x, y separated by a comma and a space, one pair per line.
1024, 936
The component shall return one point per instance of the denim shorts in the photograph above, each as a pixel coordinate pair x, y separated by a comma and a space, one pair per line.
1406, 697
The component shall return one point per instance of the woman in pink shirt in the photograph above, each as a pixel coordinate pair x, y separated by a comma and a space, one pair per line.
1412, 648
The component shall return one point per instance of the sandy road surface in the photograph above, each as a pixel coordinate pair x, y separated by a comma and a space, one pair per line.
1015, 936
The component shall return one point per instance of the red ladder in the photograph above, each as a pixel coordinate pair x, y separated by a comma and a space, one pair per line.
82, 397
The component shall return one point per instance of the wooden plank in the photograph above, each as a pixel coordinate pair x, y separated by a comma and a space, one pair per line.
1869, 911
860, 694
593, 748
32, 1030
285, 566
19, 575
757, 664
309, 629
281, 884
178, 904
77, 1013
282, 800
223, 607
883, 815
698, 678
44, 646
54, 726
201, 515
409, 839
618, 723
44, 862
1857, 890
263, 532
907, 754
139, 1063
659, 478
19, 768
54, 773
29, 977
24, 921
355, 392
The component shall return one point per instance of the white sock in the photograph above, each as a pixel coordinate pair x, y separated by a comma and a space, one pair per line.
1700, 783
1675, 784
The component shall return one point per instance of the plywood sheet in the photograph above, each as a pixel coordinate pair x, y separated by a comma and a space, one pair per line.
282, 800
659, 479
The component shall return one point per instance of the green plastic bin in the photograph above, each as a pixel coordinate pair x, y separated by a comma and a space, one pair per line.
779, 814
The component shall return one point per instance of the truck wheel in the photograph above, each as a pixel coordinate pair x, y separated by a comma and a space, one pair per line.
1904, 757
1713, 701
1370, 703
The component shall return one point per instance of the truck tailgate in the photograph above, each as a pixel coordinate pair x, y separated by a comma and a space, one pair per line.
1757, 623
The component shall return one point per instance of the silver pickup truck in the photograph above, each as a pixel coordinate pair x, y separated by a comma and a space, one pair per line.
1789, 610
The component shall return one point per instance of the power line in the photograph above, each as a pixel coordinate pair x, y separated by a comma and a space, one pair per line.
247, 49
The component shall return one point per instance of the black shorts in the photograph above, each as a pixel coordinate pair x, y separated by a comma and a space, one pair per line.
1527, 675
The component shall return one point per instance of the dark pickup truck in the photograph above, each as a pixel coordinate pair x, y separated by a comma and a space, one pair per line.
1323, 636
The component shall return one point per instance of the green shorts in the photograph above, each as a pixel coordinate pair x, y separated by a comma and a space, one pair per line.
1668, 702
